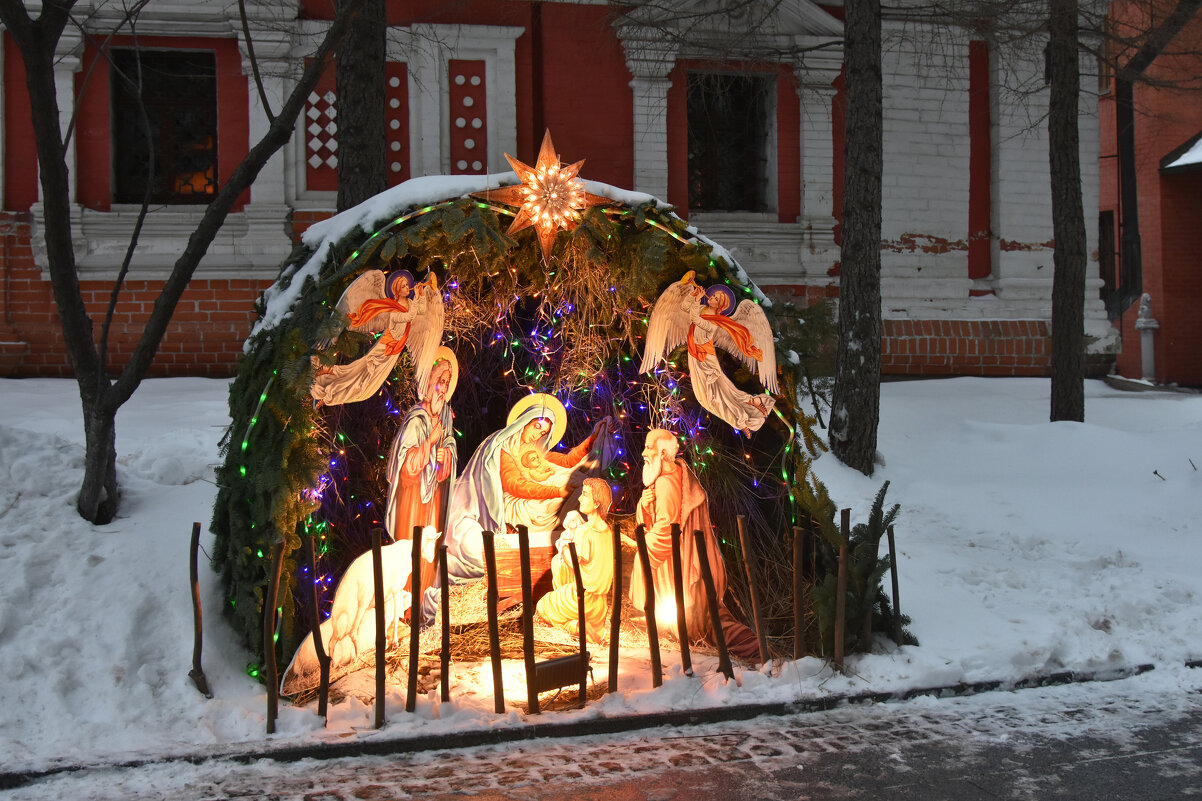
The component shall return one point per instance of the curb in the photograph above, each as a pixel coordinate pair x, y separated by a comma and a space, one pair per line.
533, 731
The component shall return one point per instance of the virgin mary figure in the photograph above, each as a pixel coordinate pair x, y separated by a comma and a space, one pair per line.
516, 478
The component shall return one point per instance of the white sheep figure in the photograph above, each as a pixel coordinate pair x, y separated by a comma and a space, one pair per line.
349, 633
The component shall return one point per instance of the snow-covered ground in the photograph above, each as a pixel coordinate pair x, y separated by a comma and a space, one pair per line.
1025, 548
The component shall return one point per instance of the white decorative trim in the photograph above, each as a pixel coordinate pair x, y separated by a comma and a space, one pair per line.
427, 49
251, 244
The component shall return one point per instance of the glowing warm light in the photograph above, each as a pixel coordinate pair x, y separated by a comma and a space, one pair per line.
550, 196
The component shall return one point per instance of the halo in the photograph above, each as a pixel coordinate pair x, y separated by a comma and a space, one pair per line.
445, 354
553, 409
395, 275
720, 289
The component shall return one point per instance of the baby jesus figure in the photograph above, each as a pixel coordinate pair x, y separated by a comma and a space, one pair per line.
595, 550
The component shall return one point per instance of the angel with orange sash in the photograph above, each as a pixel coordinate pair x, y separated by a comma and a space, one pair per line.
407, 317
688, 314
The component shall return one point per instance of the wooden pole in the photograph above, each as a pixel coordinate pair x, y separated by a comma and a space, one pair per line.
528, 620
615, 624
640, 539
814, 574
580, 620
494, 632
443, 579
799, 599
197, 673
757, 605
711, 596
323, 659
897, 615
415, 619
841, 590
682, 629
273, 680
377, 564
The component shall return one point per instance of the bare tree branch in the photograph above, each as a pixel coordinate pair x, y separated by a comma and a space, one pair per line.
254, 62
217, 210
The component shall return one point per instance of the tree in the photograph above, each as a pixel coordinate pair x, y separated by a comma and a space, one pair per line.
855, 407
1068, 219
100, 394
360, 78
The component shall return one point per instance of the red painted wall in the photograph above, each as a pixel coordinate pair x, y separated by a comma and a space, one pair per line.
585, 94
1169, 207
20, 152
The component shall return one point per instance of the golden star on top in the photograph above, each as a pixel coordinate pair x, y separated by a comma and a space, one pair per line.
550, 196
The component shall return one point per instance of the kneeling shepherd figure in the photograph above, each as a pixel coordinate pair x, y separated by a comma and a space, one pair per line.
595, 550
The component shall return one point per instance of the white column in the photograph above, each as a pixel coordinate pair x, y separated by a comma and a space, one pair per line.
649, 64
816, 72
66, 65
272, 50
266, 241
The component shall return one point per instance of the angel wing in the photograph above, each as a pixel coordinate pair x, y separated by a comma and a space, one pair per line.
425, 335
668, 327
750, 315
369, 286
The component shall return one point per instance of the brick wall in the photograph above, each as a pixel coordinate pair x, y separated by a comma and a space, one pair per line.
965, 347
205, 337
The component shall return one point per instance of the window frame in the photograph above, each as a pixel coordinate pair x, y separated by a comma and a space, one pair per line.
204, 103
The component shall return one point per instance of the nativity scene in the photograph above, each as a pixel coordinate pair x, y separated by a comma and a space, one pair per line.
575, 377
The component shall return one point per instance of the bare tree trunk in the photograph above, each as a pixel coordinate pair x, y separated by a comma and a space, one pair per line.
1068, 220
100, 395
361, 156
855, 408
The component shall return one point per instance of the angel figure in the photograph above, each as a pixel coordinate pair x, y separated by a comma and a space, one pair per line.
689, 314
406, 317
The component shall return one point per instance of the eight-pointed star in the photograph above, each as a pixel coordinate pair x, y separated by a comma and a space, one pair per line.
549, 197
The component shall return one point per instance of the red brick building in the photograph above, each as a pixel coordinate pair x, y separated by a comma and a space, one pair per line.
736, 119
1168, 168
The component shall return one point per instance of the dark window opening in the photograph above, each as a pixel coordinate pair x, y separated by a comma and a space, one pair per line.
728, 141
171, 150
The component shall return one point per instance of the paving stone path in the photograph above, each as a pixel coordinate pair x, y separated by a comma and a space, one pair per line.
1087, 741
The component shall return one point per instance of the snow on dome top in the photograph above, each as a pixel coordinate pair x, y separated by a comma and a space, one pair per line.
376, 211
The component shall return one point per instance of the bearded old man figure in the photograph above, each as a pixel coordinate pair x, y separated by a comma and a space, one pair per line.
672, 494
422, 459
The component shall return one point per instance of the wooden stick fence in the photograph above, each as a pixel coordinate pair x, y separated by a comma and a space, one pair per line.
841, 589
640, 538
323, 659
494, 631
381, 635
897, 615
580, 621
799, 595
615, 625
415, 618
682, 630
528, 620
445, 608
271, 677
757, 605
197, 673
711, 596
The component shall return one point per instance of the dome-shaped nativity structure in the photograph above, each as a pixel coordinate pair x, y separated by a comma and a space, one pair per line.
475, 352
